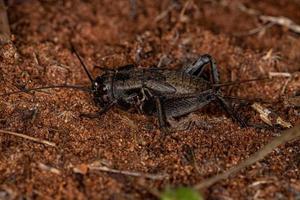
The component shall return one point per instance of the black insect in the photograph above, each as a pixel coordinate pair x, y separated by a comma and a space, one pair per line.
169, 94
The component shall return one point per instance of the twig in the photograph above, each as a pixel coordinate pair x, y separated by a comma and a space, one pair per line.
247, 10
286, 136
285, 75
285, 86
280, 74
255, 30
49, 168
29, 138
185, 6
4, 25
129, 173
165, 12
282, 21
260, 182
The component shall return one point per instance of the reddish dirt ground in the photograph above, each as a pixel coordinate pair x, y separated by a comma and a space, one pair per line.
114, 33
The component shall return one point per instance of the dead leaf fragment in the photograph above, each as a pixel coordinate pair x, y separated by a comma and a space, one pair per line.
269, 117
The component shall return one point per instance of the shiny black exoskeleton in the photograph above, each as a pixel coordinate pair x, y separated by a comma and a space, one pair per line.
166, 93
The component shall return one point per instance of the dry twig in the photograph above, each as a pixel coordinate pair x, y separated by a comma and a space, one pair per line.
286, 136
29, 138
282, 21
260, 29
4, 25
283, 89
279, 74
285, 75
270, 117
270, 20
128, 173
49, 168
165, 12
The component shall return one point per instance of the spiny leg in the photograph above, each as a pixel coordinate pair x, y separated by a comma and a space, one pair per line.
228, 108
198, 67
181, 106
160, 113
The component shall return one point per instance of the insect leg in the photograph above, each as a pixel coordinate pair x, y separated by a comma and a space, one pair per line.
228, 108
179, 106
123, 68
198, 67
107, 107
101, 112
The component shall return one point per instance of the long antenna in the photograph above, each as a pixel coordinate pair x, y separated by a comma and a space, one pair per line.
247, 100
85, 89
239, 82
82, 63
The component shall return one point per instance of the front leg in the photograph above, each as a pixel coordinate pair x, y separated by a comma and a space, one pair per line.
101, 112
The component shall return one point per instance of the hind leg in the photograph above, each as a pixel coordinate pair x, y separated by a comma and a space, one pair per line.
101, 112
198, 68
229, 109
183, 108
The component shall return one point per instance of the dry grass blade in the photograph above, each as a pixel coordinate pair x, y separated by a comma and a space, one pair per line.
49, 168
282, 21
271, 20
256, 30
287, 75
29, 138
165, 12
129, 173
280, 74
286, 136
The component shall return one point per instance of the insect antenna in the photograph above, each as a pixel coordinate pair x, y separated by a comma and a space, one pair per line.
82, 88
77, 87
82, 63
239, 82
105, 69
250, 100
